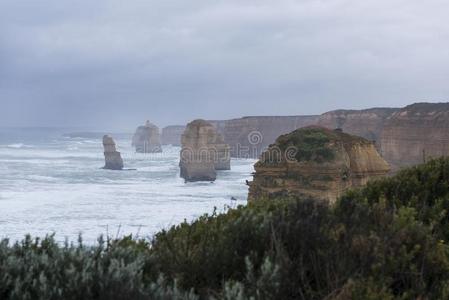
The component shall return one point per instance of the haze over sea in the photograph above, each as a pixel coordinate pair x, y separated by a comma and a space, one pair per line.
54, 184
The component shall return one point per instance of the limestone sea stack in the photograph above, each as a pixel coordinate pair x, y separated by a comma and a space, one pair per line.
171, 135
147, 139
315, 162
113, 158
203, 152
222, 153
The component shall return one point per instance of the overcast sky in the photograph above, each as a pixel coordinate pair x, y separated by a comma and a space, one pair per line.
114, 63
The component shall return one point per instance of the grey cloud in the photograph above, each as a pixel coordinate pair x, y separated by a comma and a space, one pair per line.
115, 63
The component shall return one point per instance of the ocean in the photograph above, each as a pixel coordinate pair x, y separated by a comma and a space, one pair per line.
52, 184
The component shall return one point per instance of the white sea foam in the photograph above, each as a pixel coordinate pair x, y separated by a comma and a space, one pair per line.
55, 187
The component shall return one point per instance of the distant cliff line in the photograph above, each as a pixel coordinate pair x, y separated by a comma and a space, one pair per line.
256, 133
404, 136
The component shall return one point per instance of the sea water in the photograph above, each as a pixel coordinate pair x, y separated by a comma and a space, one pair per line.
53, 184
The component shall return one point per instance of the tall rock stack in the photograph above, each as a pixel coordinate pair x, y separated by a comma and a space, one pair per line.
171, 135
416, 133
147, 139
221, 153
315, 162
203, 152
113, 158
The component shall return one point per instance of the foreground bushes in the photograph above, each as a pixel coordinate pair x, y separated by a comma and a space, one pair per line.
37, 269
386, 241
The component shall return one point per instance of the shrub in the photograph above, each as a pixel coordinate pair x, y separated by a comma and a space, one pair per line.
388, 240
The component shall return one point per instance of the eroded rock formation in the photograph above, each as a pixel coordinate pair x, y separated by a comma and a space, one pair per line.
222, 153
416, 133
171, 135
315, 162
147, 139
203, 152
113, 158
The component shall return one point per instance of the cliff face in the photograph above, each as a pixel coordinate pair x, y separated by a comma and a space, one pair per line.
248, 137
171, 135
368, 123
147, 139
316, 162
416, 133
203, 152
403, 136
113, 158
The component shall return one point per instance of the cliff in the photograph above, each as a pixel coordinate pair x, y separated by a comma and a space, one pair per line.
171, 135
367, 123
248, 137
416, 133
203, 152
411, 135
316, 162
147, 139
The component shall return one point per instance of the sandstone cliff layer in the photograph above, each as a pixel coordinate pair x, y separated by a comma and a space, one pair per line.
147, 139
403, 136
248, 137
203, 152
416, 133
315, 162
113, 158
367, 123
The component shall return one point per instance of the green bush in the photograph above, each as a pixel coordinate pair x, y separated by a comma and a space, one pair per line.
42, 269
310, 143
388, 240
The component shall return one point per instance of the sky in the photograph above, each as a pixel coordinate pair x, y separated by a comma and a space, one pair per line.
114, 63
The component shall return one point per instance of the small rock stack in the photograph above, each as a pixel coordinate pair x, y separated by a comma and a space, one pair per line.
203, 152
147, 139
113, 158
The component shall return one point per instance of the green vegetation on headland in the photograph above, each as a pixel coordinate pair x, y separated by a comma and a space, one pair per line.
388, 240
310, 143
313, 143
